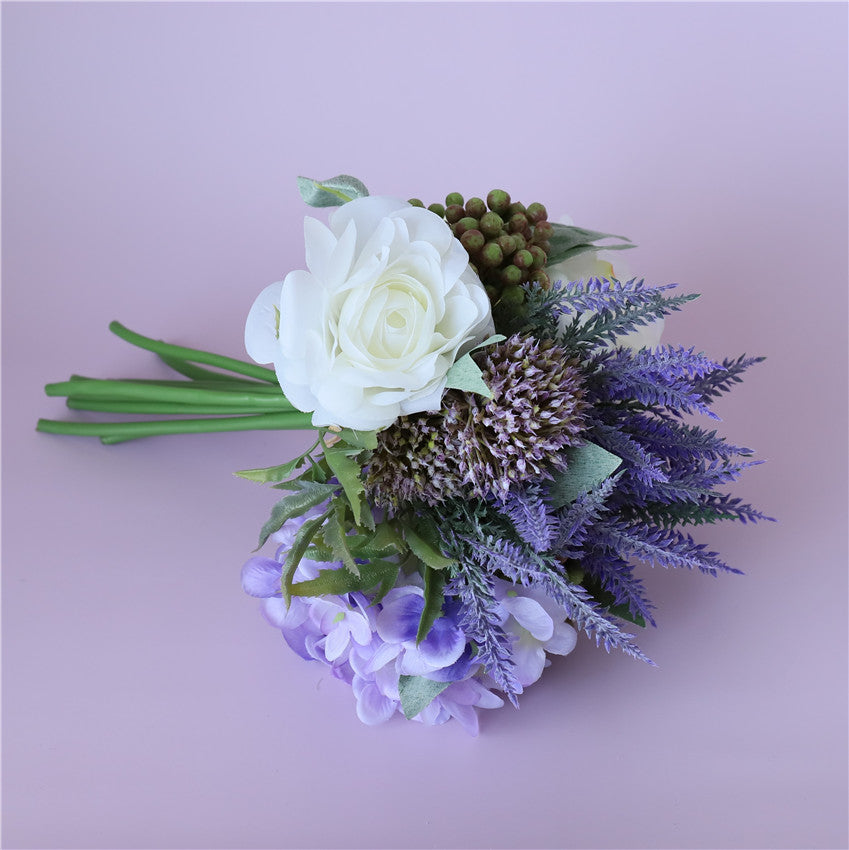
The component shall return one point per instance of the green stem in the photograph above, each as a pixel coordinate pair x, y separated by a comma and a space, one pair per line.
119, 432
199, 374
129, 390
238, 385
163, 408
230, 364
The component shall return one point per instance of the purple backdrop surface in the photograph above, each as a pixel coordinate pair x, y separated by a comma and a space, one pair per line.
149, 156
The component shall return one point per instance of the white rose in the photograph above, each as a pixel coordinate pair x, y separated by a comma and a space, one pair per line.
590, 264
370, 331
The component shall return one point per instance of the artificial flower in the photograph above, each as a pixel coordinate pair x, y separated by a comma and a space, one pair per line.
370, 330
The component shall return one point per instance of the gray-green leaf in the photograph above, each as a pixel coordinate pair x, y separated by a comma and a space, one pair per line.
567, 241
587, 466
466, 375
417, 693
332, 192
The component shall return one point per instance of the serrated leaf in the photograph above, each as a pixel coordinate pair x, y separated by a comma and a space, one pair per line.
384, 542
434, 581
359, 439
268, 474
344, 465
300, 544
308, 496
337, 539
332, 192
337, 582
417, 693
587, 466
425, 550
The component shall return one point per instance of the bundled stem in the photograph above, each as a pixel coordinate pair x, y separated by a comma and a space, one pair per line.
120, 432
247, 399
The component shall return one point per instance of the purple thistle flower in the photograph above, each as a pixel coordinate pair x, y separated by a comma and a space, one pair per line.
477, 447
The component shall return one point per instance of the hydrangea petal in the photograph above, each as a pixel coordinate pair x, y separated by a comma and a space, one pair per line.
262, 577
563, 641
373, 707
530, 615
399, 619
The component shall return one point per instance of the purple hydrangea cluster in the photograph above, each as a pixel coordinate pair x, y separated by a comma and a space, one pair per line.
371, 644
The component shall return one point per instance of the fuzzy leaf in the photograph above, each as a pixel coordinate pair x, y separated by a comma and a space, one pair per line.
588, 466
336, 582
434, 581
308, 496
417, 693
332, 192
466, 375
567, 238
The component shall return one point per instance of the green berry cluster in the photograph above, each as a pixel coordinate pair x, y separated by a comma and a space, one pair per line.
507, 241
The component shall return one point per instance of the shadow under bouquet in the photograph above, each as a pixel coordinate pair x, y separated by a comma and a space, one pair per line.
501, 441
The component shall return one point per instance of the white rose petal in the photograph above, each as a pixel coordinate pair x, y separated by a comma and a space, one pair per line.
369, 332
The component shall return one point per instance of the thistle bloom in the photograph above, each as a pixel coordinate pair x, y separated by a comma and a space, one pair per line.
482, 447
370, 331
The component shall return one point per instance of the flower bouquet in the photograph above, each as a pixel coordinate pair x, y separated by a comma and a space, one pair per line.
500, 443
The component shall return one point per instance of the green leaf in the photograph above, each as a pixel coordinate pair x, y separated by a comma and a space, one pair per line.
417, 693
567, 239
332, 192
266, 475
359, 439
335, 536
581, 249
344, 465
335, 582
300, 544
426, 550
587, 466
308, 496
434, 581
385, 541
466, 375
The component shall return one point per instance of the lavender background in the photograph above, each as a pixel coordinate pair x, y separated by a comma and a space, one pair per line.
149, 157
